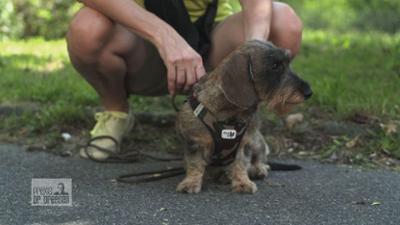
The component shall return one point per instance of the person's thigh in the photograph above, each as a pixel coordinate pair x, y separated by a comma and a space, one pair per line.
226, 36
285, 32
96, 45
145, 70
147, 74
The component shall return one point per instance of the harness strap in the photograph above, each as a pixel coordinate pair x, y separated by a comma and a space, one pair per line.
227, 135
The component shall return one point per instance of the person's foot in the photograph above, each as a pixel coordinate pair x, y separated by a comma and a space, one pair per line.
106, 136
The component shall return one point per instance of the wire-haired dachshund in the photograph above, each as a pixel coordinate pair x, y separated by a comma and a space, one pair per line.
219, 122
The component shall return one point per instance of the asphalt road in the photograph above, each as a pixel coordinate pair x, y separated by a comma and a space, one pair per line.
318, 194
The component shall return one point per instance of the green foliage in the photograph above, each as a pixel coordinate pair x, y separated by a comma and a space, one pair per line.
383, 15
9, 26
29, 18
353, 71
50, 18
346, 15
40, 71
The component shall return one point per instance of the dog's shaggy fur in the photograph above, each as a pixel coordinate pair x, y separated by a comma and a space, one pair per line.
228, 92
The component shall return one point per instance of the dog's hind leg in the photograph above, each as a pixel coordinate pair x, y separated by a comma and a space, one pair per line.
238, 172
258, 169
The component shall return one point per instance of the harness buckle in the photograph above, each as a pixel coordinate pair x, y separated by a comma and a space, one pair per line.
229, 134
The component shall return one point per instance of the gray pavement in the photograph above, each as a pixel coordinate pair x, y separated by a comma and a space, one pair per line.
318, 194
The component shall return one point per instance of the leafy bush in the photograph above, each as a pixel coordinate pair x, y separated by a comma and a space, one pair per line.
382, 15
344, 15
9, 26
28, 18
50, 18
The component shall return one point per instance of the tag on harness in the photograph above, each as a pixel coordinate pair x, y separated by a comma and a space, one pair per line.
198, 110
228, 134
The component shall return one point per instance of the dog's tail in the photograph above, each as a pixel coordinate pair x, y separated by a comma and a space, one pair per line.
283, 167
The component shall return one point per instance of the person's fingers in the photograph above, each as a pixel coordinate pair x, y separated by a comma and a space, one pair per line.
190, 76
180, 77
200, 71
171, 75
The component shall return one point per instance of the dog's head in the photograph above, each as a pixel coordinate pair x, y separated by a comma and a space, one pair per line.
259, 71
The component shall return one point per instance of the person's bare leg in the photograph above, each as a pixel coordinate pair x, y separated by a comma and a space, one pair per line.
106, 55
285, 32
98, 49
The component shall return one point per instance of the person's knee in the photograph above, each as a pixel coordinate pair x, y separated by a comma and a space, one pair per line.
293, 24
287, 27
87, 34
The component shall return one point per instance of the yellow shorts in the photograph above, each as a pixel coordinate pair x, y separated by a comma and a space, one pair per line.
196, 8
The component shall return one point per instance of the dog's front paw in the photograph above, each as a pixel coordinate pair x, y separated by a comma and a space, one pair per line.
244, 187
189, 186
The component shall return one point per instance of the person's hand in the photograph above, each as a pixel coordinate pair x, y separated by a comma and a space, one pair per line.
184, 65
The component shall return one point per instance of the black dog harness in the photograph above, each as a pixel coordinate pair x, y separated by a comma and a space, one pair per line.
227, 135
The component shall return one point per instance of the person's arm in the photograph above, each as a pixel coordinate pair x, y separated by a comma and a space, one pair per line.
257, 16
184, 65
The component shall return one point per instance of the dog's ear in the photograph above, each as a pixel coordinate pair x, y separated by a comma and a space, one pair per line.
236, 80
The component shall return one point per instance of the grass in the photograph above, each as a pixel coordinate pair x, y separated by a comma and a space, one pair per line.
352, 72
349, 73
39, 71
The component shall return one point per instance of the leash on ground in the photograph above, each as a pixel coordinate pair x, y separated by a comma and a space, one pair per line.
131, 157
155, 175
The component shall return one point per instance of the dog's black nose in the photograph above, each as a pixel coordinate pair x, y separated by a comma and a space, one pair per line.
305, 87
307, 93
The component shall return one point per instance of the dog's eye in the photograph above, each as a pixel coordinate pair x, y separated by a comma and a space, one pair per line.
276, 66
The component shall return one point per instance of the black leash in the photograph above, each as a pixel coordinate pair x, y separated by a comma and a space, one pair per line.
128, 157
154, 175
135, 156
